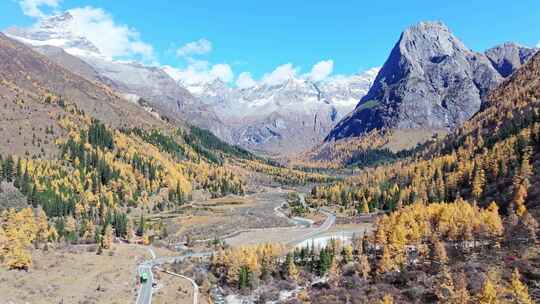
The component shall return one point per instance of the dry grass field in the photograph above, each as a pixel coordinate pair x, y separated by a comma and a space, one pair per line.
75, 274
219, 217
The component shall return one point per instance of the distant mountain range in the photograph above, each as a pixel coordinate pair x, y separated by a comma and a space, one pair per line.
281, 118
430, 81
286, 117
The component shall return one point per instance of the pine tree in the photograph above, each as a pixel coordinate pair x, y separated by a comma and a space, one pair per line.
107, 239
70, 228
387, 299
446, 291
291, 270
519, 290
42, 227
244, 277
140, 226
363, 267
385, 263
479, 181
325, 261
488, 294
519, 199
334, 272
89, 231
17, 256
18, 174
462, 295
130, 230
7, 169
525, 171
365, 206
439, 254
380, 235
347, 254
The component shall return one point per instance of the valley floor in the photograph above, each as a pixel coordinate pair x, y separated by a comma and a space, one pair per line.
76, 274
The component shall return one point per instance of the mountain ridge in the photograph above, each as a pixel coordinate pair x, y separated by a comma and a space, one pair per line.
150, 83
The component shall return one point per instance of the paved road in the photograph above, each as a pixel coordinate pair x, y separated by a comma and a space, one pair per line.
145, 291
328, 222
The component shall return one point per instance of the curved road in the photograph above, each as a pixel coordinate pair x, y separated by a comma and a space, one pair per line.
328, 222
145, 291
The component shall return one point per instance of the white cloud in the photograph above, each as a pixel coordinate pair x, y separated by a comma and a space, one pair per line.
245, 81
321, 70
199, 47
111, 39
281, 74
538, 45
222, 71
199, 71
32, 7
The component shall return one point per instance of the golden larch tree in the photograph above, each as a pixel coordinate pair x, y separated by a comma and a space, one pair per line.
519, 290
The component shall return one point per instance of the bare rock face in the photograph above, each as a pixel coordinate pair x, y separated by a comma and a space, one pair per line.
509, 57
431, 80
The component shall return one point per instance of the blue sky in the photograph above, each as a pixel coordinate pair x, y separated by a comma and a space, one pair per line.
258, 36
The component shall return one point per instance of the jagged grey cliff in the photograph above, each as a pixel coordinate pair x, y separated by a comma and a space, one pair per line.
509, 57
431, 80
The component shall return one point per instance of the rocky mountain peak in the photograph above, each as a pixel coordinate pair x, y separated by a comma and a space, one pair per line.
431, 80
430, 40
509, 56
56, 21
56, 31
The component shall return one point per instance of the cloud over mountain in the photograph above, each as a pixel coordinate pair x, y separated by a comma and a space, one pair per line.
112, 39
200, 71
245, 81
199, 47
321, 70
33, 8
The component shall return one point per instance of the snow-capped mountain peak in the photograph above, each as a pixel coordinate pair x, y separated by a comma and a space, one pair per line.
55, 31
300, 94
291, 115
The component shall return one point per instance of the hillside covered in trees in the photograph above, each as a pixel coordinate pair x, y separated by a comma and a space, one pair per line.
86, 165
468, 200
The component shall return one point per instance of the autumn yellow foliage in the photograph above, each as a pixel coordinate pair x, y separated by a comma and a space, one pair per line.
18, 231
